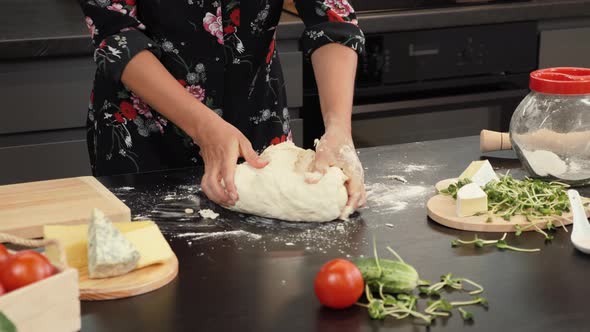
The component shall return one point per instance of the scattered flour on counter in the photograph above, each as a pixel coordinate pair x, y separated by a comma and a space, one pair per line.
208, 214
315, 238
408, 169
383, 197
397, 178
123, 189
170, 197
189, 211
216, 235
411, 168
189, 187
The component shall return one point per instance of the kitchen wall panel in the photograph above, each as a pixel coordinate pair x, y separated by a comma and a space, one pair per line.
565, 48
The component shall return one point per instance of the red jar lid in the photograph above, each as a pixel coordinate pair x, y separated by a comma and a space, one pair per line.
561, 81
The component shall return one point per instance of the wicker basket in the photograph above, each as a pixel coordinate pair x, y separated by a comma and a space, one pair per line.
49, 305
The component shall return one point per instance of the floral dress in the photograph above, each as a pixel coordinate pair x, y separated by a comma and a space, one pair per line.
223, 52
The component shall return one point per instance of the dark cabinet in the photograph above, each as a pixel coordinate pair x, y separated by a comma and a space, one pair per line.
44, 107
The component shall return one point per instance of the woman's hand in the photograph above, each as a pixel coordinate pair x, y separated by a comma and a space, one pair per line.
221, 145
337, 149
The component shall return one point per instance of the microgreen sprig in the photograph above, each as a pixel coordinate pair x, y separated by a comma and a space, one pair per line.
466, 315
534, 199
500, 244
455, 283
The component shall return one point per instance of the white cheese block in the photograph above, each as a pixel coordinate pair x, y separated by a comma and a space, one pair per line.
110, 254
480, 172
471, 199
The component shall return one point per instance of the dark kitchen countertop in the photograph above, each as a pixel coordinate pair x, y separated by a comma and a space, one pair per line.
244, 283
32, 28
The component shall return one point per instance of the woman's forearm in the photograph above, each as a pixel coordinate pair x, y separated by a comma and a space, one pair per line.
149, 79
335, 70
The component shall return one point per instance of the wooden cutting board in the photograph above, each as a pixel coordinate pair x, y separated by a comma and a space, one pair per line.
133, 283
26, 207
442, 209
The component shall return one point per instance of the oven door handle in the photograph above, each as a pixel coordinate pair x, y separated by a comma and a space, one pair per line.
375, 109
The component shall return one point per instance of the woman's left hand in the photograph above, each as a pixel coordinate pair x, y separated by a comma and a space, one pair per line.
336, 148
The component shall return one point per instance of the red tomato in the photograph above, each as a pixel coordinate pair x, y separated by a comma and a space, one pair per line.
24, 268
2, 291
4, 255
339, 284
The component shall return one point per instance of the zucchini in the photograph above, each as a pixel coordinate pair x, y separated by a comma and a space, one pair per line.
395, 276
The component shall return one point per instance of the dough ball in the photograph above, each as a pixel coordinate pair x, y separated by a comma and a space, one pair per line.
280, 191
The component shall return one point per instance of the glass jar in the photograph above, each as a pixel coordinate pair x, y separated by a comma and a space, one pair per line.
550, 129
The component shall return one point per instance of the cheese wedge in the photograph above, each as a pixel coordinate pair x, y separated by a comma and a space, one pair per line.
74, 240
151, 244
480, 172
144, 235
110, 254
471, 199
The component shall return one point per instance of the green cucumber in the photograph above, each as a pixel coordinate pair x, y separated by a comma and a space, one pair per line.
395, 276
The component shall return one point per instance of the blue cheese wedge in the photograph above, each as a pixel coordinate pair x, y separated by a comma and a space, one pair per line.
471, 200
480, 172
110, 254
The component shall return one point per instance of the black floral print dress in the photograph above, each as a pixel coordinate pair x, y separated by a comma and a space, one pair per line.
223, 52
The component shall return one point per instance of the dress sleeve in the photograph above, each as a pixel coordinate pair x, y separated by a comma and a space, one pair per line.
329, 21
117, 34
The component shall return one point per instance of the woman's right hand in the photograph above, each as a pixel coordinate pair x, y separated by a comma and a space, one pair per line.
221, 145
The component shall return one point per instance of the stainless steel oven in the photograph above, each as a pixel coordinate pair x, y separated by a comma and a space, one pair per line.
380, 5
432, 84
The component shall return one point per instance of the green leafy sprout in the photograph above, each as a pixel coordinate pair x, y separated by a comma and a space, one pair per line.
540, 202
381, 305
466, 315
499, 243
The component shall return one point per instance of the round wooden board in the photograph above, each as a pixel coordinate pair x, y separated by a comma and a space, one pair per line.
133, 283
442, 209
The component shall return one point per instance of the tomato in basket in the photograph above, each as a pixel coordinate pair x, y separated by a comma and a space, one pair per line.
24, 268
4, 255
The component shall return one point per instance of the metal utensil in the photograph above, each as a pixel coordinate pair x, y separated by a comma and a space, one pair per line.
581, 229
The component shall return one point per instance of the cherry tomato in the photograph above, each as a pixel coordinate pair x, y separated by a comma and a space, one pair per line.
4, 255
24, 268
339, 284
2, 291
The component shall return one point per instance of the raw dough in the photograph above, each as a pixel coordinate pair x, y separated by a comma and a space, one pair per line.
280, 190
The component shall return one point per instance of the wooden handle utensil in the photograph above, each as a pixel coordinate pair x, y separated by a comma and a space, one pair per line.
494, 141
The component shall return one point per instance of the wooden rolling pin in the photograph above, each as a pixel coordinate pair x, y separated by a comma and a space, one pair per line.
494, 141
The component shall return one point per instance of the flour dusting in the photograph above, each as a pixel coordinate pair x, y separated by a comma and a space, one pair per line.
123, 189
194, 236
208, 214
382, 197
411, 168
397, 178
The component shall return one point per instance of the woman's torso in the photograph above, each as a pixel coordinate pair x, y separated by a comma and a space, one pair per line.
222, 52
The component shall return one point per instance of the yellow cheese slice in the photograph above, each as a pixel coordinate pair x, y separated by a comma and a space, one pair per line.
151, 244
144, 235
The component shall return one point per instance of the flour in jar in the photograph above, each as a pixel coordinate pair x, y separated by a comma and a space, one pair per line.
547, 163
565, 156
